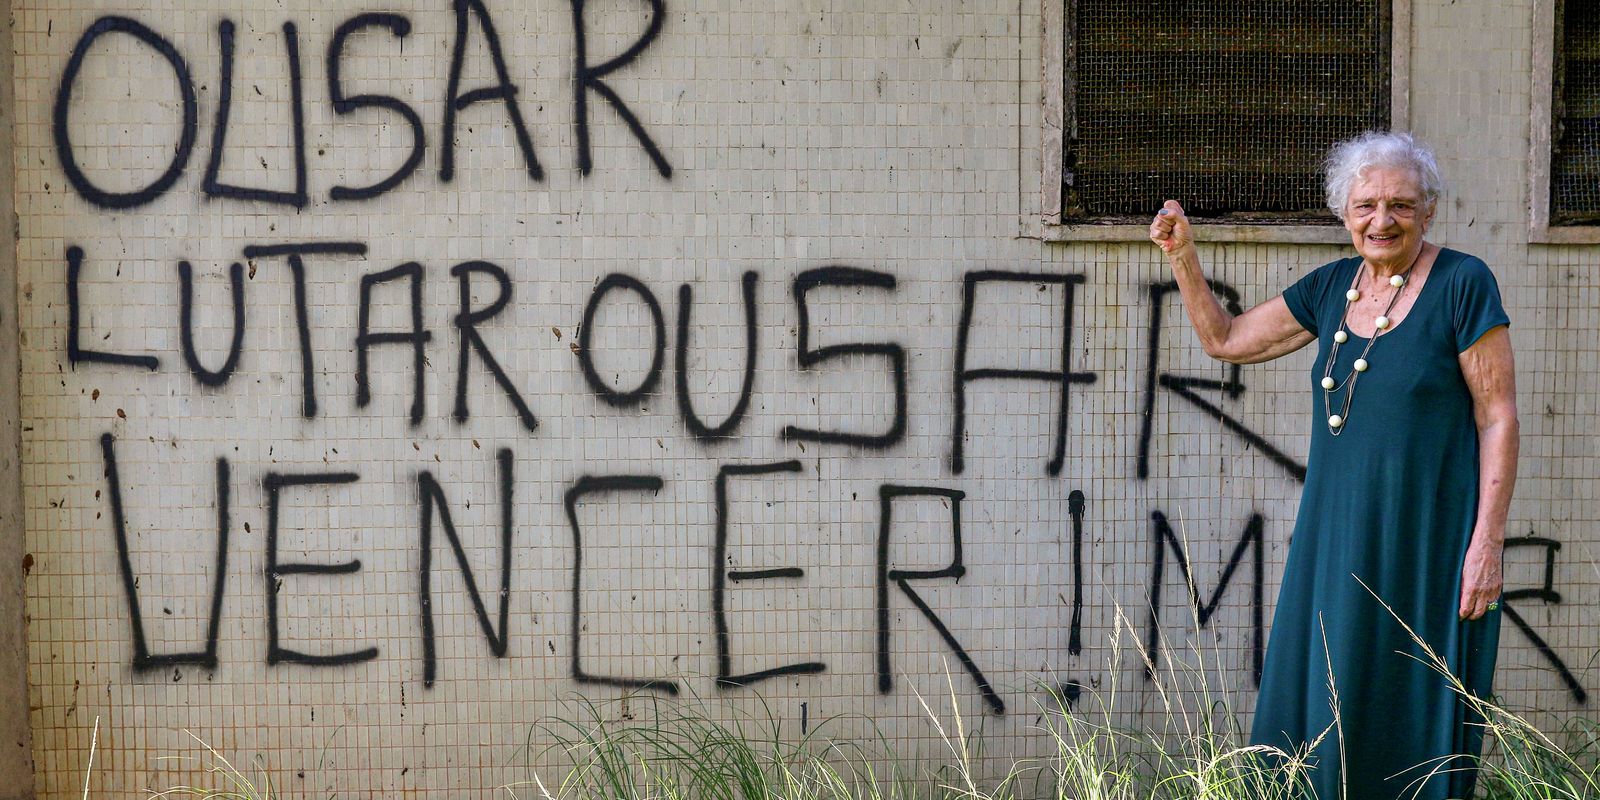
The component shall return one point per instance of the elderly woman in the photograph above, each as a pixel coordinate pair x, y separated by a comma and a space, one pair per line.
1413, 457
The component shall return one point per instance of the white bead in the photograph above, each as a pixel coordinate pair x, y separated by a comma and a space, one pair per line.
1327, 383
1361, 365
1341, 337
1397, 281
1352, 295
1335, 421
1381, 322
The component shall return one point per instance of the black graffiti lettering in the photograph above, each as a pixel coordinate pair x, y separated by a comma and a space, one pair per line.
1065, 377
1547, 588
1571, 681
63, 107
1164, 538
1075, 507
1187, 386
275, 483
76, 352
433, 495
720, 575
1546, 592
588, 485
686, 404
466, 322
586, 337
186, 325
503, 90
143, 659
847, 277
219, 132
400, 27
887, 494
295, 253
1069, 692
588, 78
417, 337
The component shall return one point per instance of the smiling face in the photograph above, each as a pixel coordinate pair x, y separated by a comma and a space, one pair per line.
1387, 216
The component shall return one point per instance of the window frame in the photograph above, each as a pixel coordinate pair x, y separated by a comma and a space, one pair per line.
1540, 143
1058, 47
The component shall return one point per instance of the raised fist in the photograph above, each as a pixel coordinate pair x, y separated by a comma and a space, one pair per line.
1170, 229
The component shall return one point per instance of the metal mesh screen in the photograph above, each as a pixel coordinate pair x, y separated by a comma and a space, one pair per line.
1575, 160
1228, 105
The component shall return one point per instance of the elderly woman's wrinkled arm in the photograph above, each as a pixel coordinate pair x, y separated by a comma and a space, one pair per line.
1263, 333
1489, 369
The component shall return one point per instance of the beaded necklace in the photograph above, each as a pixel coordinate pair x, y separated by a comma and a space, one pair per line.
1337, 421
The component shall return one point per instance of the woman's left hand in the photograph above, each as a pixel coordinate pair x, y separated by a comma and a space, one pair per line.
1481, 579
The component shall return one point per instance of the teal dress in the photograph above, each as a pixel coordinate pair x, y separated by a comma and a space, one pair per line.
1391, 500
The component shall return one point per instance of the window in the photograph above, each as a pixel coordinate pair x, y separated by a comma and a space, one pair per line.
1228, 105
1575, 115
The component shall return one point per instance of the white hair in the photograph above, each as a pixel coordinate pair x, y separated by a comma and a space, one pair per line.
1349, 159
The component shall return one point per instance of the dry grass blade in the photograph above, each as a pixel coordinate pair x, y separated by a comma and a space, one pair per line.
94, 742
238, 786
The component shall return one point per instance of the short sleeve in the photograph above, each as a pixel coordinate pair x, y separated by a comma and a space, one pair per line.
1305, 296
1477, 307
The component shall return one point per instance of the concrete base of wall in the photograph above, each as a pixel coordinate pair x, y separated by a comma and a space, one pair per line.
16, 742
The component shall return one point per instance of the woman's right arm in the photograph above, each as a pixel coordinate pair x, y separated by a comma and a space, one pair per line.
1263, 333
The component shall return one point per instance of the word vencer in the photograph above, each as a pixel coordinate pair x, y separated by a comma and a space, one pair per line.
434, 512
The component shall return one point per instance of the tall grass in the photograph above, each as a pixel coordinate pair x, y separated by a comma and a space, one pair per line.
1198, 753
677, 751
1521, 762
229, 782
669, 753
647, 748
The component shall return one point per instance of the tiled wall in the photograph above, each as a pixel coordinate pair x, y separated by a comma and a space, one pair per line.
885, 153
